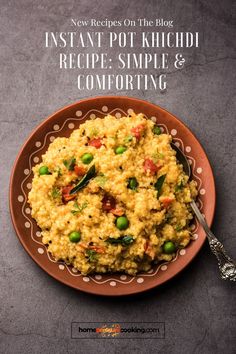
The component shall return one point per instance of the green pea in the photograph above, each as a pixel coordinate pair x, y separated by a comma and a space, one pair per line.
75, 236
86, 158
120, 149
156, 130
122, 223
44, 170
132, 183
169, 247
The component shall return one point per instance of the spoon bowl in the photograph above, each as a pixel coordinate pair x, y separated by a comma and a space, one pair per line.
182, 159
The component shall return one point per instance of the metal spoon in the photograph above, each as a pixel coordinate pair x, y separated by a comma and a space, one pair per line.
226, 265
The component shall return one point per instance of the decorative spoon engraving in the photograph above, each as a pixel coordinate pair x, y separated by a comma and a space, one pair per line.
226, 264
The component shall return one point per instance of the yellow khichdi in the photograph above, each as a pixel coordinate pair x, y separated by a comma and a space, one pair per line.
112, 197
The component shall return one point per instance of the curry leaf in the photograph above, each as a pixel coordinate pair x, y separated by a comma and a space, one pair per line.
159, 183
85, 180
123, 240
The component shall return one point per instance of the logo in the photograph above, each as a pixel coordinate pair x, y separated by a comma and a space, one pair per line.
121, 330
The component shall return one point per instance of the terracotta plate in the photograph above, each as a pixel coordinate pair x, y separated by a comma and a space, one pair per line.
62, 123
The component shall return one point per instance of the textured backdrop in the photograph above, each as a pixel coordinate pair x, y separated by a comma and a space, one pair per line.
197, 307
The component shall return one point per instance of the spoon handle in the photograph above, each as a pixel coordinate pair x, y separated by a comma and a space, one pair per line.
226, 265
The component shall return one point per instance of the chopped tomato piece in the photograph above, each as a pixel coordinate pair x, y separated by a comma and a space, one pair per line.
149, 165
148, 249
79, 170
145, 246
97, 143
117, 212
108, 203
166, 201
82, 245
66, 196
98, 249
138, 131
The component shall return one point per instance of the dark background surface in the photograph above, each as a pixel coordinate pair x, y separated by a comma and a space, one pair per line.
197, 307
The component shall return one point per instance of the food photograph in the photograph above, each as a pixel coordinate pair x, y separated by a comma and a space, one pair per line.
118, 172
